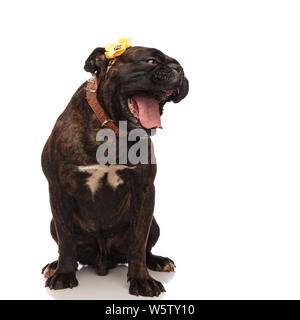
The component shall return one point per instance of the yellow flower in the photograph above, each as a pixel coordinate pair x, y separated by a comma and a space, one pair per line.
116, 49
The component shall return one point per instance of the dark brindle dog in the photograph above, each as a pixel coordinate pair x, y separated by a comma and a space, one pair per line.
103, 214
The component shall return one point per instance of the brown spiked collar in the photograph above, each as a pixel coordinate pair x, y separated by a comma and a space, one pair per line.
91, 97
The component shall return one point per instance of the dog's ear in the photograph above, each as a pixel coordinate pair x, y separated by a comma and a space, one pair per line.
183, 90
96, 62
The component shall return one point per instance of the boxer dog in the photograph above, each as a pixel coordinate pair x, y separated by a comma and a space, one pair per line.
103, 213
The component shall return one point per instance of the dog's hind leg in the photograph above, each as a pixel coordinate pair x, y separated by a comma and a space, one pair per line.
50, 268
156, 263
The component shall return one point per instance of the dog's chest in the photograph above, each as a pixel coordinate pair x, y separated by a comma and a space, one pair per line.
105, 196
103, 176
110, 193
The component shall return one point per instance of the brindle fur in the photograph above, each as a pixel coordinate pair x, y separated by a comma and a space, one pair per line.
113, 226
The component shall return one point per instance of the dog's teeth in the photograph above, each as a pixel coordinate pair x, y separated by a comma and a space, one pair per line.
167, 92
130, 107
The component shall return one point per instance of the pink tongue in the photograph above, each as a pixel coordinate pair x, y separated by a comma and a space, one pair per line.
149, 115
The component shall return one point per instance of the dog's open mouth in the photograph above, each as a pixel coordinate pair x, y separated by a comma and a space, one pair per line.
147, 108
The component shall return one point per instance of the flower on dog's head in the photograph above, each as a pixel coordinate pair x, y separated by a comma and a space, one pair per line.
113, 50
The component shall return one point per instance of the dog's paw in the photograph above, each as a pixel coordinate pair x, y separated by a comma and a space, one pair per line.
158, 263
145, 287
61, 280
49, 269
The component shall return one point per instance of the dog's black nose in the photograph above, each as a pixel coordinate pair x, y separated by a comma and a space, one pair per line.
170, 72
175, 67
176, 73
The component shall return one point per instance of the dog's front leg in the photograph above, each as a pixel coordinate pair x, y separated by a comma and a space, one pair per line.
62, 206
141, 283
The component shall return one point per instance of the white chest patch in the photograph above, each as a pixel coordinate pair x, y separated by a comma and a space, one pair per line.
97, 171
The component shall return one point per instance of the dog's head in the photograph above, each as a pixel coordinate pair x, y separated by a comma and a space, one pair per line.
138, 84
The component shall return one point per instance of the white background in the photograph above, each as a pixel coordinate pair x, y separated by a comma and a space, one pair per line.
228, 179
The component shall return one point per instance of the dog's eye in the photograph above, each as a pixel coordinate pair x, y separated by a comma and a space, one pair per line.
152, 61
